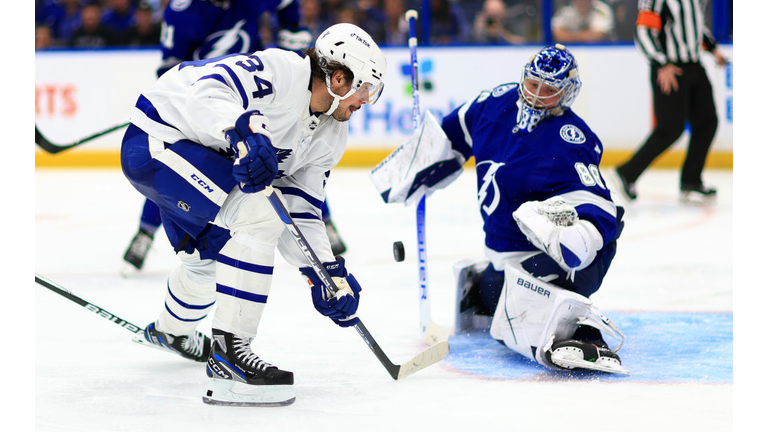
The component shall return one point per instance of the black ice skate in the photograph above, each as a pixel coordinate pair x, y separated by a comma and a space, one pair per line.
585, 351
697, 194
240, 378
137, 251
195, 347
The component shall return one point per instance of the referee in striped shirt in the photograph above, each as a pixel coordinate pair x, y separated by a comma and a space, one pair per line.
672, 36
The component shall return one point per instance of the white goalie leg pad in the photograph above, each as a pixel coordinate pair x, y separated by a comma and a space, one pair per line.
243, 280
532, 313
233, 393
464, 272
190, 296
428, 153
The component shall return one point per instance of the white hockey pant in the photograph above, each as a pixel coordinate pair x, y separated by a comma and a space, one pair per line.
246, 262
533, 314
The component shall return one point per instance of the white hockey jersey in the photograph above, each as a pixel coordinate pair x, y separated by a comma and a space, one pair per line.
204, 98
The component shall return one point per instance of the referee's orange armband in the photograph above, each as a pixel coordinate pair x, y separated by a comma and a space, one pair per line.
649, 19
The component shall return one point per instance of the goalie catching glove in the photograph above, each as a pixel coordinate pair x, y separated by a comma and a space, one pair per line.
554, 227
339, 307
256, 160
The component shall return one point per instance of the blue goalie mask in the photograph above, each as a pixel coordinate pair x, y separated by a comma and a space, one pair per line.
549, 85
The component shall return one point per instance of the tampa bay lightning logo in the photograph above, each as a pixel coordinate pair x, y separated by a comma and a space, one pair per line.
489, 187
572, 134
234, 40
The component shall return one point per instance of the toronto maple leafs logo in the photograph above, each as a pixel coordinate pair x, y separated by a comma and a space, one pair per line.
282, 155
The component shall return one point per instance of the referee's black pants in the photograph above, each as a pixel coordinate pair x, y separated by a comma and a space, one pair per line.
693, 101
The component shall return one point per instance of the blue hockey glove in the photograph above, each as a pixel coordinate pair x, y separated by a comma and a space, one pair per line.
342, 306
256, 160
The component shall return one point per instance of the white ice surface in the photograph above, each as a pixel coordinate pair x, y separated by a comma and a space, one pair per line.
89, 376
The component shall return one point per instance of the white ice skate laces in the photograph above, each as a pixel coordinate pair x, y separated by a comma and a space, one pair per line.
244, 354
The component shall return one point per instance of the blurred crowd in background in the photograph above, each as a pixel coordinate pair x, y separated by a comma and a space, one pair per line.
137, 23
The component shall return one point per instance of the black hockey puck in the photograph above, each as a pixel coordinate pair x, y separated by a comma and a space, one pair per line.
398, 250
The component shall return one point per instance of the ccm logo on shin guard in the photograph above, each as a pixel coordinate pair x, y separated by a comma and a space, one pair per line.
99, 311
532, 287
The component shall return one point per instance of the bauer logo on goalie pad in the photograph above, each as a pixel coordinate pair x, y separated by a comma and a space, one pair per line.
532, 287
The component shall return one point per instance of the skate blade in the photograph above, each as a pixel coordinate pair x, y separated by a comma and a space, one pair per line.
230, 393
694, 199
139, 339
570, 362
128, 270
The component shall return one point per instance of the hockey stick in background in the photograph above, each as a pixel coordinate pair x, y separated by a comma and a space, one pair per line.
432, 332
54, 148
428, 357
58, 289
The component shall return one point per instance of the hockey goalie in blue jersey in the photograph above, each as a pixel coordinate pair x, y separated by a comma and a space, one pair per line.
550, 225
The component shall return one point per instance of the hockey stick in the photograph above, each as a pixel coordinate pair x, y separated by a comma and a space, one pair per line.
431, 355
431, 331
53, 148
58, 289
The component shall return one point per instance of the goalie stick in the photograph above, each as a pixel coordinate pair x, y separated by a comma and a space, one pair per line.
58, 289
431, 331
54, 148
431, 355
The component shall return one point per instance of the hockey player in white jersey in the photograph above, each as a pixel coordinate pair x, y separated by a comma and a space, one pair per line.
550, 225
203, 143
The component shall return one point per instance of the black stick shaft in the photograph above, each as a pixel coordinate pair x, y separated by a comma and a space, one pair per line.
54, 148
58, 289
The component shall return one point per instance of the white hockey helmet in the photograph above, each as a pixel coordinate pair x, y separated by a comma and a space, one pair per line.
352, 47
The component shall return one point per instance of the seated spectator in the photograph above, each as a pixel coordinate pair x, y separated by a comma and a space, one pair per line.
92, 34
119, 16
371, 18
146, 32
43, 37
493, 25
395, 25
583, 21
62, 17
311, 12
449, 25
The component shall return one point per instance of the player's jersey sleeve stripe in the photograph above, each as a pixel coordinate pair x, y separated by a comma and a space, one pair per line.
301, 194
216, 77
145, 106
581, 197
236, 81
305, 216
463, 122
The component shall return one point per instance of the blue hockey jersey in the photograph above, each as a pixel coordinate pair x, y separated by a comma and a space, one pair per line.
202, 29
560, 157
